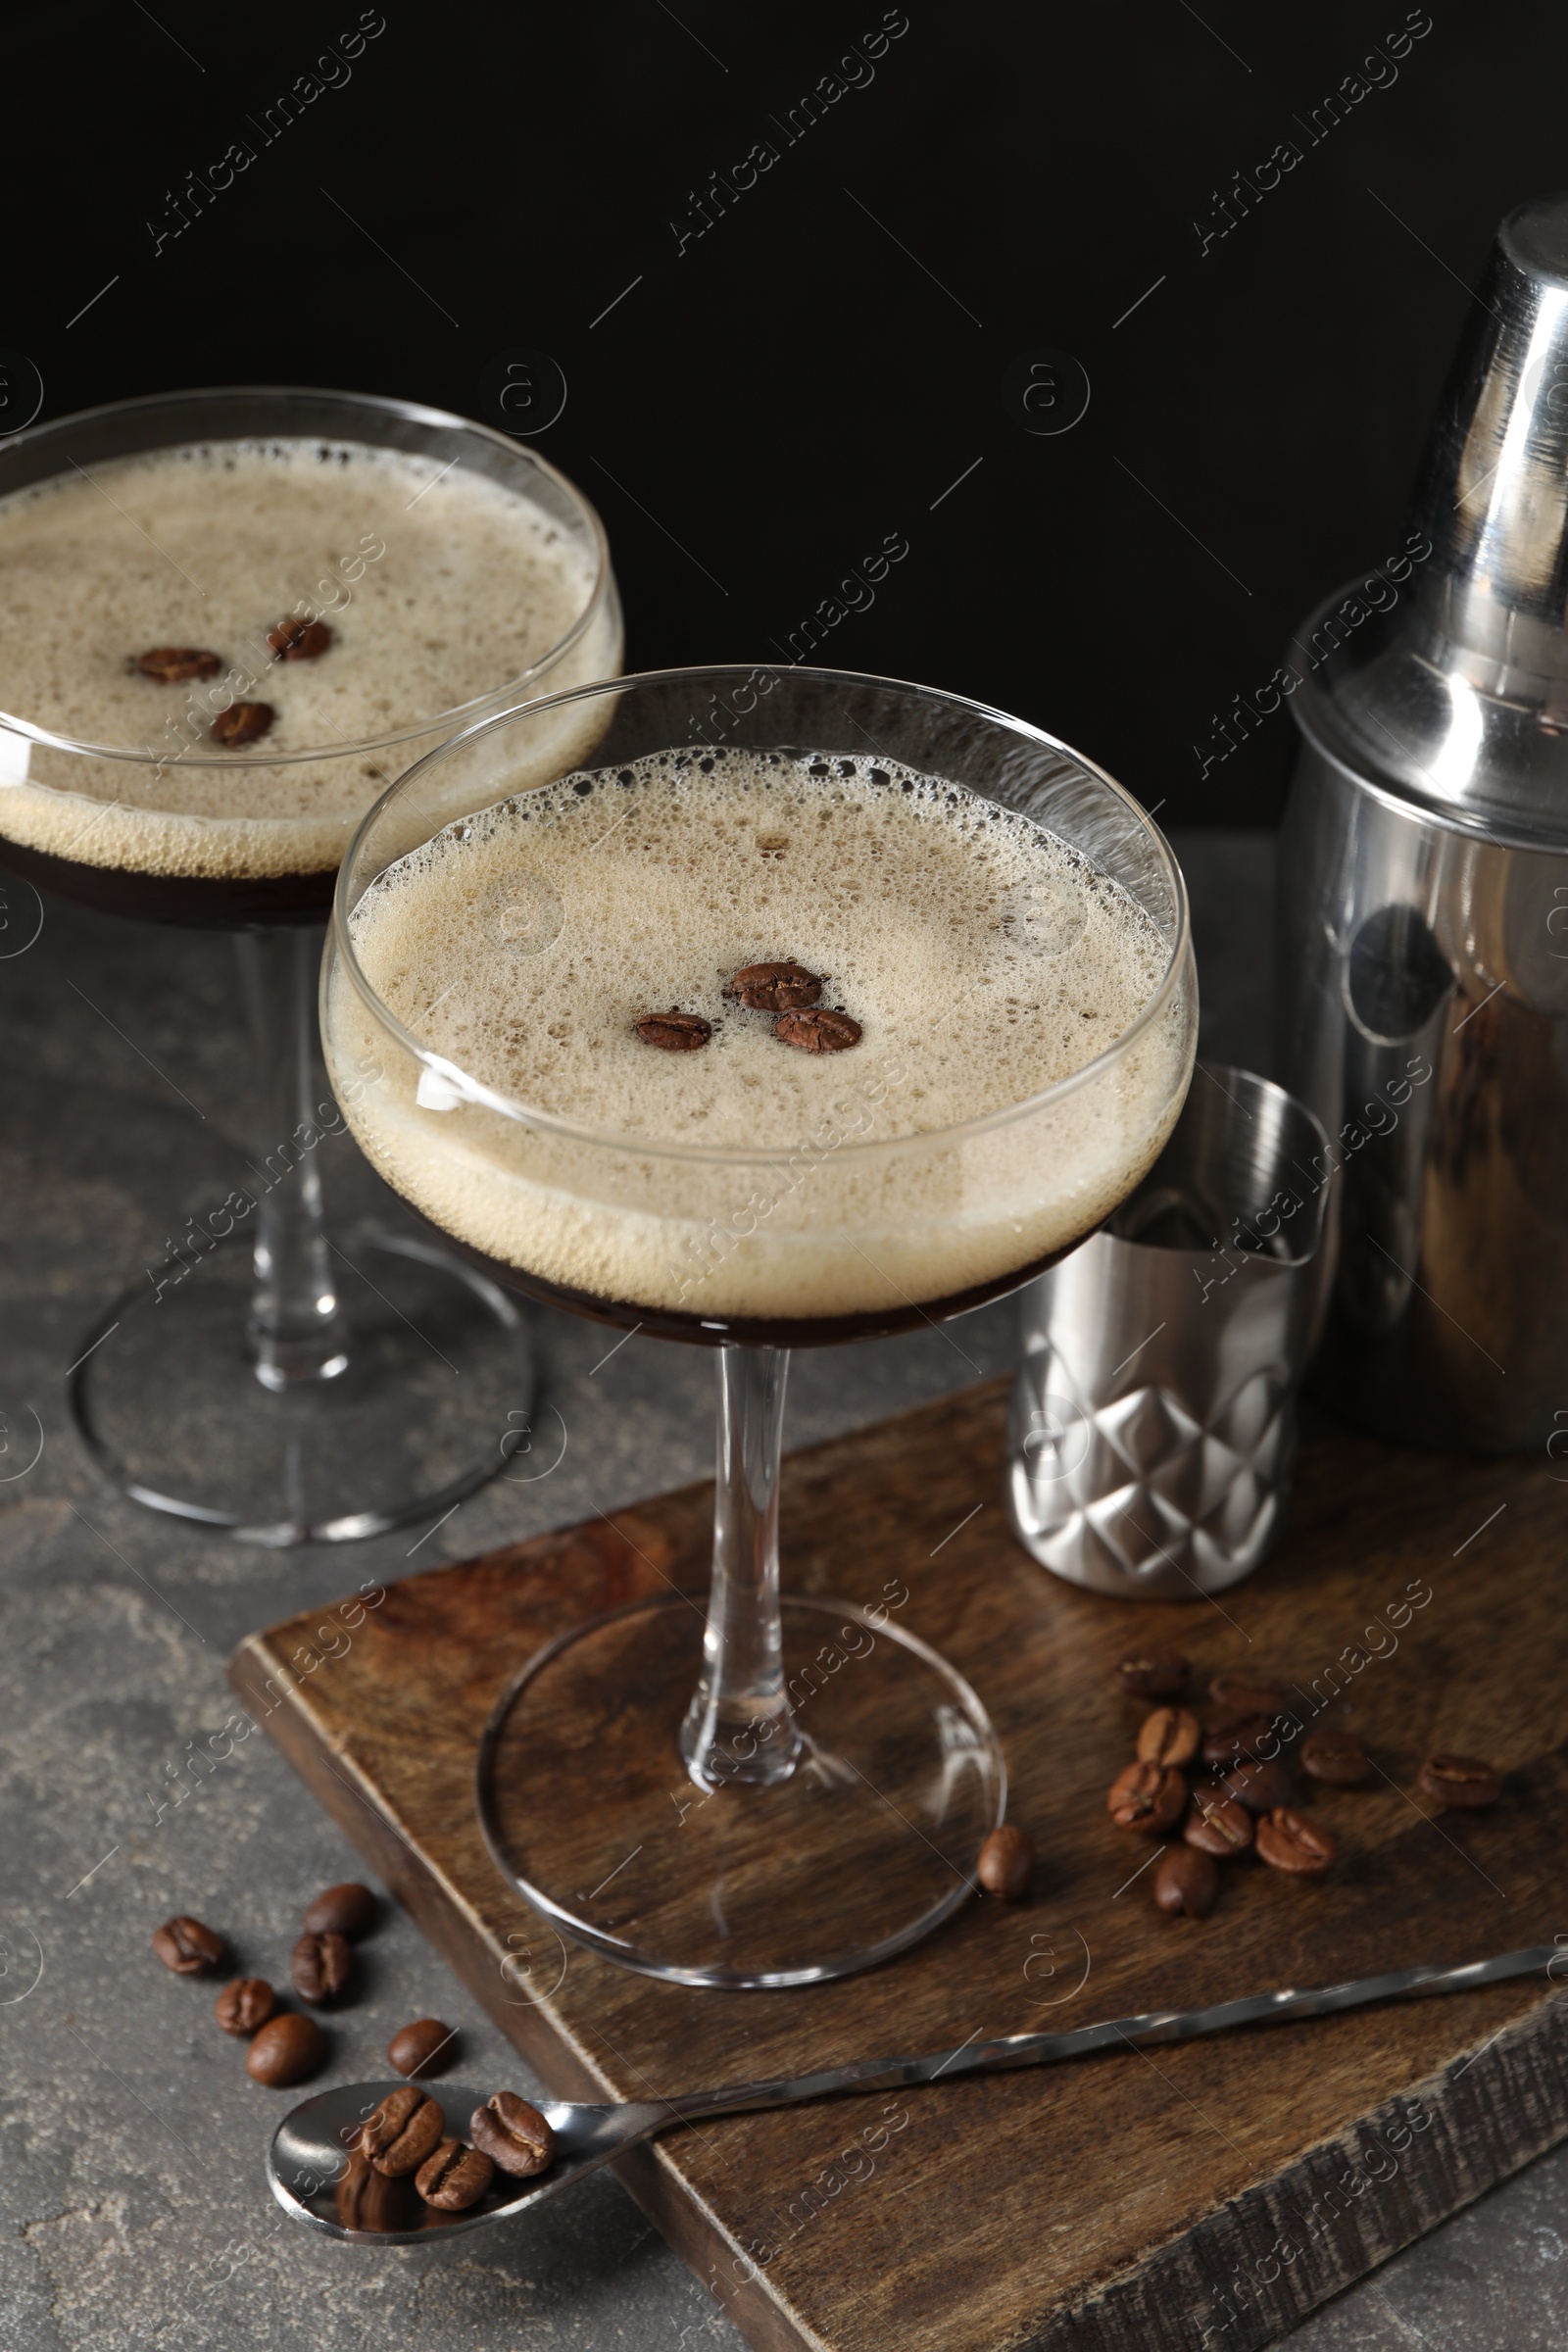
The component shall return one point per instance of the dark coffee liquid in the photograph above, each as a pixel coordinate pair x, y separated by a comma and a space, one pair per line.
194, 902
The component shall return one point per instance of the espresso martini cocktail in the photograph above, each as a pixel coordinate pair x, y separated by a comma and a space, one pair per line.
807, 1008
229, 619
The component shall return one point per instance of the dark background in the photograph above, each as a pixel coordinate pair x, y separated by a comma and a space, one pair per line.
757, 413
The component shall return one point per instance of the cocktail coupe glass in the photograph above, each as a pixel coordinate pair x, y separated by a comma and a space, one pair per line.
264, 1376
779, 1790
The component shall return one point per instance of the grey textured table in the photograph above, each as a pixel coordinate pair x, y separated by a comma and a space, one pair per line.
130, 2188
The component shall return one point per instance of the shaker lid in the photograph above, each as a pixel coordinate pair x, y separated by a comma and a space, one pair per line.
1445, 674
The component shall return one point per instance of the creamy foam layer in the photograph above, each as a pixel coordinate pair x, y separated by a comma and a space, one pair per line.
439, 587
984, 960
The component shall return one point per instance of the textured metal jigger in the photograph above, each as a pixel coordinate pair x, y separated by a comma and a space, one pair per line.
1153, 1424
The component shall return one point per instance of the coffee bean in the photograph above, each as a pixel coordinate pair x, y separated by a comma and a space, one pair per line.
244, 2005
1148, 1798
1229, 1741
513, 2135
241, 723
1461, 1782
1153, 1674
1007, 1859
295, 640
1247, 1693
321, 1966
817, 1032
416, 2048
348, 1910
1293, 1841
1259, 1786
775, 987
403, 2130
454, 2178
675, 1031
1337, 1757
1187, 1883
187, 1947
287, 2050
172, 664
1169, 1735
1218, 1826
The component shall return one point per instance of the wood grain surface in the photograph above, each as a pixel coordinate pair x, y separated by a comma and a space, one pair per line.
1206, 2194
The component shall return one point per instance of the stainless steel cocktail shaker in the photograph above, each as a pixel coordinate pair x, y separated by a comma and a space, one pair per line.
1424, 901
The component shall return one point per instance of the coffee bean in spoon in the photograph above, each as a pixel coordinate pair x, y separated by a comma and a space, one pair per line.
1153, 1674
189, 1949
1187, 1883
1148, 1798
321, 1967
403, 2130
1007, 1859
348, 1910
454, 2178
513, 2135
427, 2047
1337, 1758
1169, 1735
287, 2050
244, 2007
1464, 1783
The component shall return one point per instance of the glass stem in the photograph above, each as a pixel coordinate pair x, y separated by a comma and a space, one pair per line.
739, 1727
296, 1328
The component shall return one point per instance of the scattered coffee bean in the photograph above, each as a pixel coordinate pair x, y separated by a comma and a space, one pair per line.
348, 1910
287, 2050
1218, 1826
1259, 1786
403, 2130
1247, 1693
775, 987
295, 640
1337, 1757
321, 1967
454, 2178
1187, 1883
416, 2049
1007, 1858
1229, 1741
241, 723
1169, 1735
1293, 1841
1154, 1674
817, 1032
1461, 1782
187, 1947
512, 2135
172, 664
675, 1031
245, 2005
1148, 1798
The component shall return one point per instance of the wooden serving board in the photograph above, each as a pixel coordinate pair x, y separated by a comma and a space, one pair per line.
1209, 2193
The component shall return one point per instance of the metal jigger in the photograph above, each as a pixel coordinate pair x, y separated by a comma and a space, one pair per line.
1424, 900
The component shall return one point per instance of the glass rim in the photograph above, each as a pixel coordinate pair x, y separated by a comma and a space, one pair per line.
388, 404
748, 1155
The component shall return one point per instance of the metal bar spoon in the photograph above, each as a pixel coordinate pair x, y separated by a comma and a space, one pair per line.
316, 2177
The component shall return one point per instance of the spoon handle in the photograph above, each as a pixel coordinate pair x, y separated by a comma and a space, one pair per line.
1158, 2025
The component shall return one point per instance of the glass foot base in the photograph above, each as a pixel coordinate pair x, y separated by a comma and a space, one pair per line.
589, 1811
433, 1399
